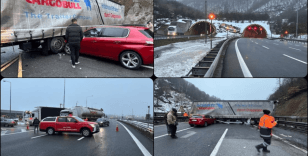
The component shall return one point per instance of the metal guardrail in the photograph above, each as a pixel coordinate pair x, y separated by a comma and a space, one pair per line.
292, 122
141, 125
207, 66
290, 40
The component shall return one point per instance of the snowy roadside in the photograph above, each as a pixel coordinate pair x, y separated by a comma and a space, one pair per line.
177, 59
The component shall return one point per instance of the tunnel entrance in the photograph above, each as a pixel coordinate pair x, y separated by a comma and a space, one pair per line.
255, 31
199, 28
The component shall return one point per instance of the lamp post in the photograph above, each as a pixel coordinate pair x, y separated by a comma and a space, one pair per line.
87, 100
211, 17
205, 32
10, 95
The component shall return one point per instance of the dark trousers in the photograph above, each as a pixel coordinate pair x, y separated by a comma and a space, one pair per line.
267, 142
35, 128
74, 47
173, 130
168, 129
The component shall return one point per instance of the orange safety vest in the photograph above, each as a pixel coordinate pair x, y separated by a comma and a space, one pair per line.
185, 114
267, 121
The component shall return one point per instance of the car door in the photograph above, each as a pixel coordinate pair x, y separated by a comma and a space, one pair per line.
89, 43
71, 125
61, 124
112, 42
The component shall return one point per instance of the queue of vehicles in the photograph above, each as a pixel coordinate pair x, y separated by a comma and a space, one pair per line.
7, 122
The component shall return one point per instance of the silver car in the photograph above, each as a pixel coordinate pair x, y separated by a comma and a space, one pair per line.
7, 122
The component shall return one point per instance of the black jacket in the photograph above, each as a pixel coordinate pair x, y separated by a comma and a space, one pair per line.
74, 34
36, 122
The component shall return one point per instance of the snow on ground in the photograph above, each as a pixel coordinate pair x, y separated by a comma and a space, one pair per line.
173, 103
180, 57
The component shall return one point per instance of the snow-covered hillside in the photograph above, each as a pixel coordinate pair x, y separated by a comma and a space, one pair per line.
171, 100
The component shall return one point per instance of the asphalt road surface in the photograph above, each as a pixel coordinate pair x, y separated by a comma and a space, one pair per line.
210, 141
59, 65
265, 58
18, 141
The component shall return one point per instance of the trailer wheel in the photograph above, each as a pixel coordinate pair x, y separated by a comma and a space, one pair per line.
57, 44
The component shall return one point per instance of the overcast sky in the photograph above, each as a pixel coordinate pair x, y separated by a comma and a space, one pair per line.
236, 88
114, 95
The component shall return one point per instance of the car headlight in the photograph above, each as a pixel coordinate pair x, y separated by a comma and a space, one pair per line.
102, 122
93, 125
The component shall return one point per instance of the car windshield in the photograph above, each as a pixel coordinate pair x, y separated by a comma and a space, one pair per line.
171, 29
99, 119
79, 119
196, 116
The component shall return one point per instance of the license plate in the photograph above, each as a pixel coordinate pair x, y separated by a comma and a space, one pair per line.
193, 120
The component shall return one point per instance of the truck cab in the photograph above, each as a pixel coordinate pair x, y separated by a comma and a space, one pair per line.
201, 120
74, 124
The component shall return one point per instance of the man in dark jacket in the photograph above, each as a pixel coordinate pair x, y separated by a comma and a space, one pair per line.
36, 123
74, 36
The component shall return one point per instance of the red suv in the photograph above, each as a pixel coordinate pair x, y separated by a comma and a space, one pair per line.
131, 45
60, 124
201, 120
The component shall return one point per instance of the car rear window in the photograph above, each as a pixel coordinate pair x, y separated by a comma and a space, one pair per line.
196, 116
61, 119
114, 32
49, 119
147, 33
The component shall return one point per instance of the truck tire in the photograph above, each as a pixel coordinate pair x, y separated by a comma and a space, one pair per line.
205, 124
57, 44
50, 131
86, 132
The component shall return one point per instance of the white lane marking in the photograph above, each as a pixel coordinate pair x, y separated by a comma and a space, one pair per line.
23, 130
290, 144
190, 133
256, 43
16, 133
295, 48
80, 138
147, 67
265, 47
3, 132
244, 67
176, 131
295, 59
38, 136
141, 147
297, 45
214, 152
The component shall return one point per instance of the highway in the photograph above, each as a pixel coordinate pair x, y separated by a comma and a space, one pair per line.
220, 140
33, 64
247, 57
19, 141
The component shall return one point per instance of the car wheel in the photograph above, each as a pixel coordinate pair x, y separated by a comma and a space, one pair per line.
86, 132
50, 131
205, 124
130, 60
57, 44
67, 49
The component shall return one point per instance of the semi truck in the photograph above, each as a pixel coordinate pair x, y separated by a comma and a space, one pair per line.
34, 23
249, 111
40, 113
91, 114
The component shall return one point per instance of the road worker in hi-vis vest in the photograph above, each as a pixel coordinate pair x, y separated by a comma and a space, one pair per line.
266, 124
